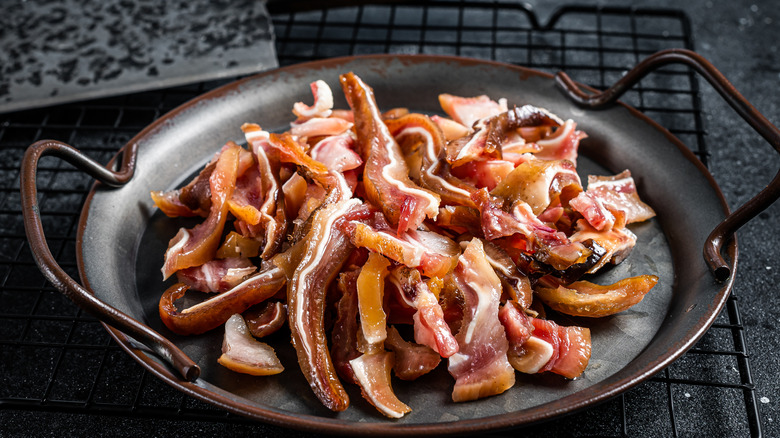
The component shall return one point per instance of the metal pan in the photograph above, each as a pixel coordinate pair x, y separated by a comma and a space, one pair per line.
122, 238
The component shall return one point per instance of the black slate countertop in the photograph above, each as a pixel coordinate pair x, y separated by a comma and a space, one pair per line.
740, 39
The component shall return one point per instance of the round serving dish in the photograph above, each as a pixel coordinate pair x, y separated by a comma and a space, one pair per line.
122, 239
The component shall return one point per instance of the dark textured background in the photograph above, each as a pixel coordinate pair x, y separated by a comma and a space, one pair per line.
740, 38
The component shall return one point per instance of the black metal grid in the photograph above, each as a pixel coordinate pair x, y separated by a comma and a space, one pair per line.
55, 358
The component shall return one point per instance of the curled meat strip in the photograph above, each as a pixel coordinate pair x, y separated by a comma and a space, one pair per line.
294, 190
593, 210
197, 246
432, 253
213, 312
217, 275
571, 347
473, 147
486, 141
618, 193
385, 176
336, 152
311, 266
291, 151
266, 318
194, 199
414, 131
271, 215
583, 298
170, 204
197, 194
480, 367
244, 354
430, 328
538, 345
526, 116
247, 196
372, 372
516, 323
319, 126
527, 353
323, 102
562, 144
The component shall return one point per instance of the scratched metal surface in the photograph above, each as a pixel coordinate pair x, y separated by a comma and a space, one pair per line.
53, 52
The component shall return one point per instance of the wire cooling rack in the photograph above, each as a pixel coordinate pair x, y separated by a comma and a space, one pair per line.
55, 358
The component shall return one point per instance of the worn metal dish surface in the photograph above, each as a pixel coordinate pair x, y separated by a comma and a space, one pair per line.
123, 237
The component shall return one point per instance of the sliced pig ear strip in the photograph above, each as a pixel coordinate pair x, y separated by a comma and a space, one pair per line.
77, 293
766, 197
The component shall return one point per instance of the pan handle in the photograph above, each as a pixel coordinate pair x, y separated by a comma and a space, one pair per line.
164, 348
765, 198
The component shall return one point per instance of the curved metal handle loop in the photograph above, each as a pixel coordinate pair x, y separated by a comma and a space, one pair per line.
188, 369
765, 198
